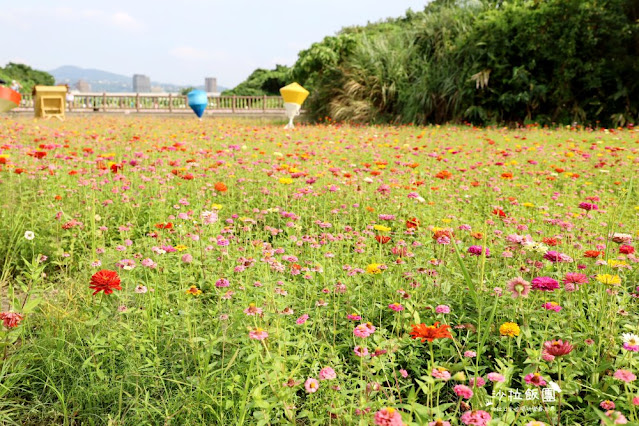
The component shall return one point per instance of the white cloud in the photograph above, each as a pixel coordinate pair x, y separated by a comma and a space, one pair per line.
124, 20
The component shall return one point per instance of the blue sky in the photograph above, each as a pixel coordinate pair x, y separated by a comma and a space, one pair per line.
179, 41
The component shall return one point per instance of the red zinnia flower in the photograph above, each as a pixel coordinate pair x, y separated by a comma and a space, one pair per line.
106, 281
412, 223
625, 249
593, 253
499, 212
430, 332
168, 225
382, 239
10, 319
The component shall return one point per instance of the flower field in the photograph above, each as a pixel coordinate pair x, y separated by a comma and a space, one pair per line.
172, 271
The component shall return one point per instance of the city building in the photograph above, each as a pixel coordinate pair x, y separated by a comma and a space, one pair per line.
210, 85
141, 83
83, 86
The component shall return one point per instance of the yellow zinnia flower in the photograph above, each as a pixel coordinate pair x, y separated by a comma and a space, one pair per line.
286, 180
609, 279
381, 228
374, 268
510, 329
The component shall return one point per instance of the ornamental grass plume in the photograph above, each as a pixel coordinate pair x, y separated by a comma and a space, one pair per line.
106, 281
430, 332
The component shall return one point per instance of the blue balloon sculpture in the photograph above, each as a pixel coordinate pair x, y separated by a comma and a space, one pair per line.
197, 101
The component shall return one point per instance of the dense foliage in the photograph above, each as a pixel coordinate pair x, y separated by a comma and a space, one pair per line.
485, 62
262, 82
26, 76
173, 271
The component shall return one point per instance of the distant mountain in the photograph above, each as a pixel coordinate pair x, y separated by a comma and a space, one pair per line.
104, 81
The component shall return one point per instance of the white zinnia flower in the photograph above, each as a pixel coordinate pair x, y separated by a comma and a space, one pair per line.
29, 235
630, 338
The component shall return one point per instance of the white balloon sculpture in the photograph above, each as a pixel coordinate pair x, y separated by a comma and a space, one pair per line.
292, 111
293, 95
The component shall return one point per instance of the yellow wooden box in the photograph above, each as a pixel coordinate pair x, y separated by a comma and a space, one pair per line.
50, 101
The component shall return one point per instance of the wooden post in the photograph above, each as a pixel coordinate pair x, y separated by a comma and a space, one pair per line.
264, 103
170, 102
233, 104
137, 102
103, 101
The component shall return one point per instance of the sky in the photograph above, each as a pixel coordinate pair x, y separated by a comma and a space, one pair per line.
178, 41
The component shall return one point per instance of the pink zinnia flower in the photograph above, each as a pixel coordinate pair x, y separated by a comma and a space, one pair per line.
476, 418
477, 381
557, 347
361, 352
495, 377
222, 282
363, 331
403, 373
463, 391
440, 373
327, 373
625, 376
258, 334
552, 306
617, 416
442, 309
470, 354
302, 319
544, 284
535, 379
397, 307
518, 287
388, 417
607, 405
311, 385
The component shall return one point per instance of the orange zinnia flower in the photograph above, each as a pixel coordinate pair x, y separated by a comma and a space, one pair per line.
220, 187
444, 174
430, 332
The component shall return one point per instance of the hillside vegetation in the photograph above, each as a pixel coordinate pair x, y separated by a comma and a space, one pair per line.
483, 62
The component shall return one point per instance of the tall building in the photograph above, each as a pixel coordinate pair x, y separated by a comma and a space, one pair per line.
210, 84
83, 86
141, 83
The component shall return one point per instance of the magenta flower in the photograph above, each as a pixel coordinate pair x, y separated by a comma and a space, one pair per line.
302, 319
535, 379
544, 284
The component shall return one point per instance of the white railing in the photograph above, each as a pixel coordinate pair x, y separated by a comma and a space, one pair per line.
163, 102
